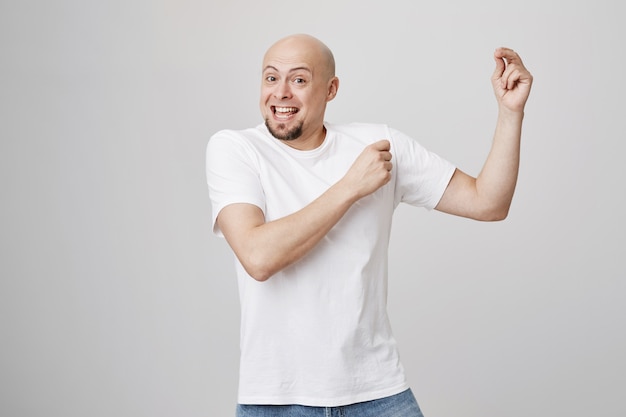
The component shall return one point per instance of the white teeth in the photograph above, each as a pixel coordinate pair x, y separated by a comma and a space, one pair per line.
286, 110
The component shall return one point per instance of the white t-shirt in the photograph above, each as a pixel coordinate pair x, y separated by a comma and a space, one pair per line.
317, 332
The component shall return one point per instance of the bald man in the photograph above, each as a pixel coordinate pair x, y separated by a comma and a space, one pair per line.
306, 206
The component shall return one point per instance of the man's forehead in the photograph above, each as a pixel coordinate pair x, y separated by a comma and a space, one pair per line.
292, 55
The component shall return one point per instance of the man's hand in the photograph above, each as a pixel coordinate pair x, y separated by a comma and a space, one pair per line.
511, 80
370, 171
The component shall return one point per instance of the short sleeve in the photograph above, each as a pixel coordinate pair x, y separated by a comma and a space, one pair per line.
232, 174
422, 176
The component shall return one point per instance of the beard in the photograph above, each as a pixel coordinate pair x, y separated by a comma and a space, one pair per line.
281, 132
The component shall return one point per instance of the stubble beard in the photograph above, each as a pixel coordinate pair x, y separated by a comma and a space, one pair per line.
282, 133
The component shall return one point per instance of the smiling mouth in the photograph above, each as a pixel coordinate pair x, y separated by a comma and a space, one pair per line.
284, 112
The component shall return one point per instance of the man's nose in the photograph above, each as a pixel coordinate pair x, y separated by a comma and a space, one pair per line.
282, 90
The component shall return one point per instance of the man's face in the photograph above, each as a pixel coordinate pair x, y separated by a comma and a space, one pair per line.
294, 90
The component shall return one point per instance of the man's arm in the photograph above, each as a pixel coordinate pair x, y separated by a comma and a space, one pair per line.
264, 248
488, 197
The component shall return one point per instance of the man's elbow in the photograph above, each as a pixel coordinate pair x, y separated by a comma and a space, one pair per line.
258, 270
495, 218
494, 214
260, 276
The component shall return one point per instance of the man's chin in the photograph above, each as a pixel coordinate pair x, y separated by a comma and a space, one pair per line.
281, 131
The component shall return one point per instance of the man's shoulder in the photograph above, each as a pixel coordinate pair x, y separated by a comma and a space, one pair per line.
241, 134
242, 139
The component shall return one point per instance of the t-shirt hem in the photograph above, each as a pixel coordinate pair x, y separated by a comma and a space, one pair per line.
218, 208
441, 188
323, 402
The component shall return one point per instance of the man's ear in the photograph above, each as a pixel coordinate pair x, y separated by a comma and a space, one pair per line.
333, 87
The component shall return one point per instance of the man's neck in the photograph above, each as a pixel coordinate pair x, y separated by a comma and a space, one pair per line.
308, 143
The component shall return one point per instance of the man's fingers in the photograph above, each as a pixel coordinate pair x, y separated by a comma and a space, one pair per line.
382, 145
503, 57
509, 68
509, 78
508, 54
500, 66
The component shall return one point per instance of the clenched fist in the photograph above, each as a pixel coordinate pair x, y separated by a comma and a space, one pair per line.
371, 169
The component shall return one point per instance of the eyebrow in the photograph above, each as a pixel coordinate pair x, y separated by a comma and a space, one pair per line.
271, 67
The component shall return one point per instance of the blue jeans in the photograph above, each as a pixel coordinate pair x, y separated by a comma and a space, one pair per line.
399, 405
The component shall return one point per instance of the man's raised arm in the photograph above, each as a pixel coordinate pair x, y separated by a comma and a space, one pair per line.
488, 197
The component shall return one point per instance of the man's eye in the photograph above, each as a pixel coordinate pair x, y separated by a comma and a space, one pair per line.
299, 80
270, 78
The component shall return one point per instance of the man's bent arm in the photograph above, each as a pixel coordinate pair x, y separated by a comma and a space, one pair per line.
264, 248
488, 197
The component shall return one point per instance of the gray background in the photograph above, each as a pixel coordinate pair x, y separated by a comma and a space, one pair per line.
115, 299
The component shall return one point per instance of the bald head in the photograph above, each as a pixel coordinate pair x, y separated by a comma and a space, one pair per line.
298, 80
304, 48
